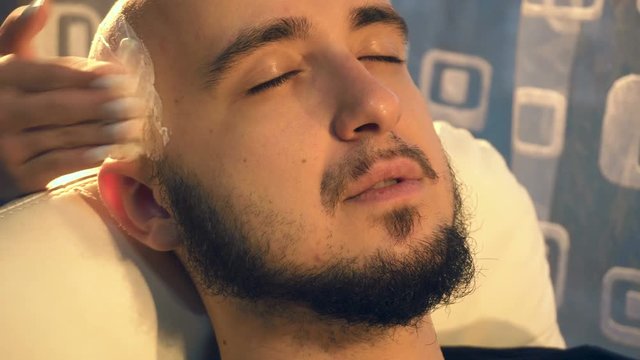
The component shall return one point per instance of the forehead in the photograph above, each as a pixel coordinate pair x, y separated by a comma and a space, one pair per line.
183, 36
189, 21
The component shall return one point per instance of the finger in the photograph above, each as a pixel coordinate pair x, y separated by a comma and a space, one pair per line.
38, 172
37, 143
112, 76
9, 190
68, 107
103, 68
98, 67
32, 76
18, 30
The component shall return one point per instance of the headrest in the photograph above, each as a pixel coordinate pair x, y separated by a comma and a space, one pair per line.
76, 287
513, 304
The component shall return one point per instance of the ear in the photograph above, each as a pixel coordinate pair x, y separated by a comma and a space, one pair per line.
132, 201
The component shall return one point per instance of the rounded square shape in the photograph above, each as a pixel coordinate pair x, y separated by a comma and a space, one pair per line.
620, 146
621, 333
632, 305
577, 11
457, 87
552, 105
558, 245
68, 31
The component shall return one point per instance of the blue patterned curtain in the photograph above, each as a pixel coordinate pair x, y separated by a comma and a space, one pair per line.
555, 86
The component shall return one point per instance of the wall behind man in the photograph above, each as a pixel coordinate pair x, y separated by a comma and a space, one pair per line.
551, 85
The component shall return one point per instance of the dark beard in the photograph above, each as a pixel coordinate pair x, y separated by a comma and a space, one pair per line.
228, 258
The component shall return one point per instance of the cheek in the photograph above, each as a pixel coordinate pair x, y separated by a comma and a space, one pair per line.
271, 162
278, 162
280, 149
275, 157
416, 125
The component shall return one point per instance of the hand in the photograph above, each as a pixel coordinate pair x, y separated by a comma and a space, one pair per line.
56, 116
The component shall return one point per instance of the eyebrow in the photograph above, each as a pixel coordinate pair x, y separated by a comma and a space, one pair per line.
378, 14
253, 38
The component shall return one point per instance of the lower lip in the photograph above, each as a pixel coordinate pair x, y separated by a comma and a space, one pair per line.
404, 190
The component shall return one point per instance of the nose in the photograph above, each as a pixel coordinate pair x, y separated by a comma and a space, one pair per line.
366, 106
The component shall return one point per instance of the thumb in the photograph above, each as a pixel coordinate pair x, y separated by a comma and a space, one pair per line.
18, 30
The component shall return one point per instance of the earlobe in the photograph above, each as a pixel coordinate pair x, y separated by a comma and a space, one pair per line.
132, 202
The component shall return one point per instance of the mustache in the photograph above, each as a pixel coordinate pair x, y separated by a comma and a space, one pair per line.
360, 161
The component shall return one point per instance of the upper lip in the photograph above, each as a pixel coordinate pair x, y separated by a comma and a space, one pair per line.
401, 169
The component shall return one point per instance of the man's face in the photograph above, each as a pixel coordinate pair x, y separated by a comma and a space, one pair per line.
302, 156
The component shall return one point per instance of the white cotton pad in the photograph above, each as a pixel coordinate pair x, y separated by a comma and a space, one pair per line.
116, 41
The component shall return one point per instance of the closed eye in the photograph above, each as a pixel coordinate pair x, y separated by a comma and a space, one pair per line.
382, 58
282, 79
273, 83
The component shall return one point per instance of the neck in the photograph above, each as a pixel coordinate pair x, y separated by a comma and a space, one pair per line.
247, 331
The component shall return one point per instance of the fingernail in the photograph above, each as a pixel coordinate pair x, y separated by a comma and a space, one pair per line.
98, 153
121, 109
36, 3
33, 7
111, 82
127, 130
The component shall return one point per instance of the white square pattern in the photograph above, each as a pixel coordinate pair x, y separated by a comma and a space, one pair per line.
620, 146
632, 308
455, 86
621, 333
84, 21
460, 100
578, 10
556, 104
557, 236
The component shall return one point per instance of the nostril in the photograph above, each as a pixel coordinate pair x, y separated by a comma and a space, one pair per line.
368, 127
